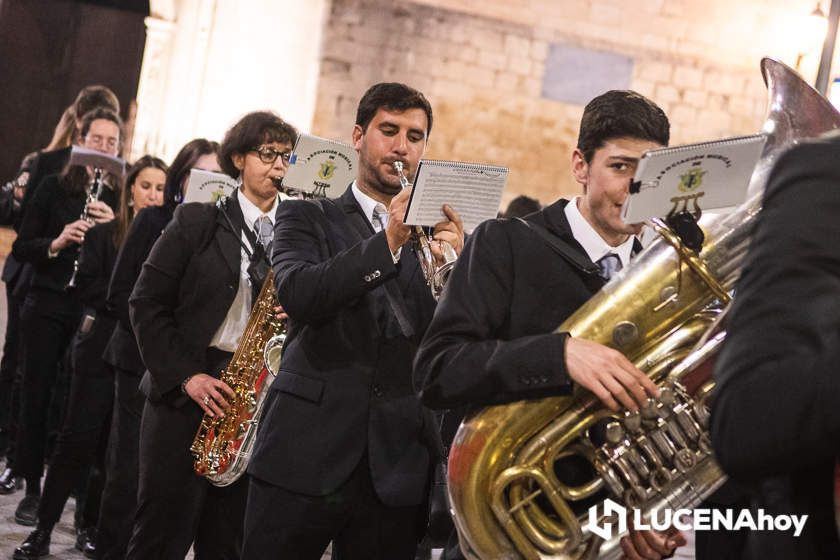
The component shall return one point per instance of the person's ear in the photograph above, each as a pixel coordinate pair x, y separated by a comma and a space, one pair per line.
358, 134
238, 161
580, 168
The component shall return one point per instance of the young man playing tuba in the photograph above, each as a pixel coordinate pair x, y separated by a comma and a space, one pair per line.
492, 338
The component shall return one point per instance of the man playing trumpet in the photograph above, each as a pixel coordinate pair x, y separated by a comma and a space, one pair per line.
345, 448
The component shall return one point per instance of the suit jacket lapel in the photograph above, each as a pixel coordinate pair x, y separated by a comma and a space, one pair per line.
396, 303
354, 214
229, 239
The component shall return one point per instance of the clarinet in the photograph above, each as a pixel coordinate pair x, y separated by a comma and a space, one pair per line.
94, 191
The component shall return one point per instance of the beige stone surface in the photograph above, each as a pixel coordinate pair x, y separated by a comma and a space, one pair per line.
482, 63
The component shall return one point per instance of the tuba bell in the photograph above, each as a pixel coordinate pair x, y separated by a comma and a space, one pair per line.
509, 484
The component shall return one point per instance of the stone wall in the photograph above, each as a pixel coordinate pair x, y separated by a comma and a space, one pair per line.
482, 66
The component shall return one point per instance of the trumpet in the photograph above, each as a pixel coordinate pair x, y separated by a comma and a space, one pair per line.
436, 275
94, 191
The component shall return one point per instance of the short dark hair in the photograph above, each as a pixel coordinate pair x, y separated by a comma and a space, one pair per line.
96, 114
181, 165
619, 114
93, 97
521, 206
391, 96
252, 130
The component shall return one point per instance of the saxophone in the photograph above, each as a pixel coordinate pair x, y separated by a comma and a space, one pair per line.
223, 444
509, 484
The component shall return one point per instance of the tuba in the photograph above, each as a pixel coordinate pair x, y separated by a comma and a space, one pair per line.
523, 476
436, 275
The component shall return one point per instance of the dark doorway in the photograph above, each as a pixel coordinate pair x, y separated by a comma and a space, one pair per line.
49, 50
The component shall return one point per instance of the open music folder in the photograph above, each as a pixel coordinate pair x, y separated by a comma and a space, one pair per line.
473, 190
207, 186
708, 176
320, 167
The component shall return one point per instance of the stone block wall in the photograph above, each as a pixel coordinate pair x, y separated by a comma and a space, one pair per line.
482, 67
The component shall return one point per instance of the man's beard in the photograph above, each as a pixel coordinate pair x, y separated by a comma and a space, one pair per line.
383, 182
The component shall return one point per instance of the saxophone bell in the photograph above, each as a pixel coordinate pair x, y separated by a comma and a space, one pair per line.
436, 274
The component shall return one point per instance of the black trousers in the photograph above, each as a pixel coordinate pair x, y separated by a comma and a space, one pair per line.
10, 377
290, 526
119, 498
80, 445
175, 506
48, 321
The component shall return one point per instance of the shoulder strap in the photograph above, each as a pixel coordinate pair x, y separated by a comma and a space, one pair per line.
562, 248
249, 234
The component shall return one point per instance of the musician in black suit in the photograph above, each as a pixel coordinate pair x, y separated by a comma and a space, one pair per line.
775, 422
188, 310
119, 496
344, 449
49, 240
492, 338
17, 275
81, 442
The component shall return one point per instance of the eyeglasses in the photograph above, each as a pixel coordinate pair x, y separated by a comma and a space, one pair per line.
270, 155
101, 141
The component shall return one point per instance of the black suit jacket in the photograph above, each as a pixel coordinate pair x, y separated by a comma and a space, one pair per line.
51, 208
492, 337
122, 351
345, 382
776, 415
96, 261
183, 294
15, 272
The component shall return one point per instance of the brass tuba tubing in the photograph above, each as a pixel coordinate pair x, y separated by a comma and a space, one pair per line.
659, 312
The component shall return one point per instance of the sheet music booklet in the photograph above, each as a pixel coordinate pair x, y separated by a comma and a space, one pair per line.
95, 158
709, 176
473, 190
207, 186
320, 167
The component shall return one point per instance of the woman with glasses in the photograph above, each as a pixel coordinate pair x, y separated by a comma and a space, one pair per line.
83, 436
188, 309
49, 238
119, 498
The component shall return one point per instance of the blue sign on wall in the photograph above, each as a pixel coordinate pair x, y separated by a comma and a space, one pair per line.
576, 75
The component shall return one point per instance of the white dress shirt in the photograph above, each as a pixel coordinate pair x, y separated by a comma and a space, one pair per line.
591, 240
230, 331
368, 206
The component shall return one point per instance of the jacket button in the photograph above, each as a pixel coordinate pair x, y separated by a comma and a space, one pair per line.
376, 274
367, 278
377, 391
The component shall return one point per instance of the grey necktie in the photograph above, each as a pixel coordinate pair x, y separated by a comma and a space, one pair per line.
609, 264
265, 231
380, 217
